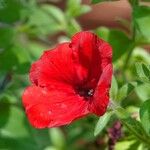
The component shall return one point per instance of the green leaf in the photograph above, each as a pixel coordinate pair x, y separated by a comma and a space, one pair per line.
6, 65
7, 98
114, 89
47, 24
73, 27
55, 13
57, 138
19, 60
6, 38
143, 72
141, 15
134, 126
74, 8
16, 133
23, 59
15, 125
127, 145
143, 91
51, 148
145, 115
4, 113
116, 38
103, 32
125, 90
98, 1
102, 122
140, 55
10, 10
121, 113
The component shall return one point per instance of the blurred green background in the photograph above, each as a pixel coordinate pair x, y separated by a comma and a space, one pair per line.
27, 28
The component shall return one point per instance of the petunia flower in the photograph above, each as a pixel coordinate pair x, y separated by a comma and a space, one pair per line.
69, 82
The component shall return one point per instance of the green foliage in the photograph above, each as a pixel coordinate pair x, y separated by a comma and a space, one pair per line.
134, 126
14, 134
141, 15
75, 9
98, 1
102, 122
57, 138
6, 38
48, 17
18, 62
114, 89
143, 72
27, 28
125, 90
110, 35
145, 116
118, 94
143, 91
141, 55
128, 145
10, 11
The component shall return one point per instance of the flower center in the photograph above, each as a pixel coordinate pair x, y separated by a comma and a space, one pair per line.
86, 93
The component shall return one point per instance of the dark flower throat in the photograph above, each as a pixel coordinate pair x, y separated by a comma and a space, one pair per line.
86, 93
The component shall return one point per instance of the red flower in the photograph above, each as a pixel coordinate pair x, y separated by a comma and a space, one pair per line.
69, 82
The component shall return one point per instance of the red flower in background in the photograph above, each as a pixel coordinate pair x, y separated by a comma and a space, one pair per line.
69, 82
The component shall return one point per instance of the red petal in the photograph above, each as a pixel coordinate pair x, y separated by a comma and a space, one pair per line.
101, 96
53, 101
106, 54
77, 63
58, 64
93, 53
53, 108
